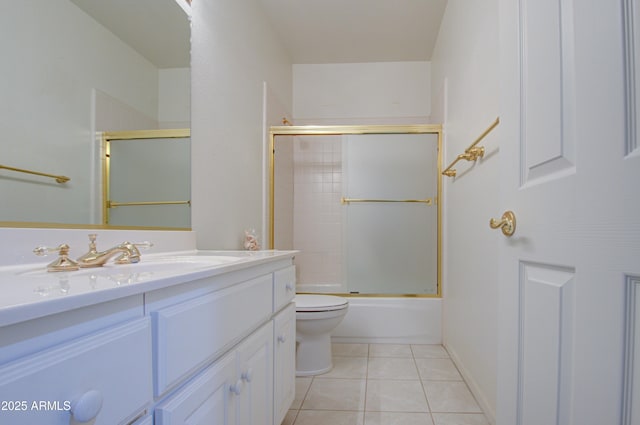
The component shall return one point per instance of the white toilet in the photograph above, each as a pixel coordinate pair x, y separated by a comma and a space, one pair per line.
316, 316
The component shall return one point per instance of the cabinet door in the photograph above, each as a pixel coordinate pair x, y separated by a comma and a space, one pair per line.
255, 370
285, 362
208, 400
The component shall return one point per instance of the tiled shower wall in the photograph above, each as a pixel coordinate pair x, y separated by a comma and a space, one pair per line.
317, 228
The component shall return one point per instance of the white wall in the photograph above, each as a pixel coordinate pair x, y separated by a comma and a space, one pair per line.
355, 91
54, 57
465, 86
234, 51
275, 113
174, 98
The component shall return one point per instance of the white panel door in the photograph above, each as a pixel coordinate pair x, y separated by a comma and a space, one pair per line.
570, 170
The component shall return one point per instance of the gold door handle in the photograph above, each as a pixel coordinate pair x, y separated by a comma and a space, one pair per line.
507, 223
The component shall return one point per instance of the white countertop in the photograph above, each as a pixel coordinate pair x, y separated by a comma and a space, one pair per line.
29, 291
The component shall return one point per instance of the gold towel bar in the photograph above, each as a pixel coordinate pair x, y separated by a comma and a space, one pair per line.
59, 179
111, 204
472, 153
428, 201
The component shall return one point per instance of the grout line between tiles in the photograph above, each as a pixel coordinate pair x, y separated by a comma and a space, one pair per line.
422, 381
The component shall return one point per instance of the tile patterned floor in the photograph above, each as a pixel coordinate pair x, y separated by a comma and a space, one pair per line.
386, 384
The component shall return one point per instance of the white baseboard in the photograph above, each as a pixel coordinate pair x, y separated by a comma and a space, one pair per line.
487, 409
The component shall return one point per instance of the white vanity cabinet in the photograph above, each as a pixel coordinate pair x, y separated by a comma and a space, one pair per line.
226, 355
208, 346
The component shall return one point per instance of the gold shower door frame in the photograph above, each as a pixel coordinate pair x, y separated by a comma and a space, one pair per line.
107, 137
340, 130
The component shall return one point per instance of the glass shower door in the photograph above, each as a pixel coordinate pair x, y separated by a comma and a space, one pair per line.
390, 187
149, 182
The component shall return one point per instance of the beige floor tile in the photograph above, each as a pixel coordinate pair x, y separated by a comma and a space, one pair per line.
392, 368
438, 370
302, 386
390, 350
429, 351
347, 367
459, 419
335, 394
350, 350
329, 417
395, 396
450, 397
386, 384
397, 418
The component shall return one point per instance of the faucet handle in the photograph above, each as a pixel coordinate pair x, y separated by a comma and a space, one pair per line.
132, 254
63, 263
43, 251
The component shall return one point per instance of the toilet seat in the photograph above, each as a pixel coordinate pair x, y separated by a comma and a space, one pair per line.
309, 303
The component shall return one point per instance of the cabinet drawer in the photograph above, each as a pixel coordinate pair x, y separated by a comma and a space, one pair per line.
284, 287
71, 379
193, 332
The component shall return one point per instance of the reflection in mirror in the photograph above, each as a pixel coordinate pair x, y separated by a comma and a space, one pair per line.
362, 209
73, 69
147, 178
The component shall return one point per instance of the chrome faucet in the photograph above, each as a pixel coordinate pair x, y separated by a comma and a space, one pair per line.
128, 253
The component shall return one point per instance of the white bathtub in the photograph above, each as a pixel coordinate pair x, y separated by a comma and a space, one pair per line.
391, 320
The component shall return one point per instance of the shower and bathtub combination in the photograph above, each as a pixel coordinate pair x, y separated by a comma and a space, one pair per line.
361, 204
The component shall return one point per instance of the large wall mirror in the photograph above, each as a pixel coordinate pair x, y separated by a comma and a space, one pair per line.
73, 69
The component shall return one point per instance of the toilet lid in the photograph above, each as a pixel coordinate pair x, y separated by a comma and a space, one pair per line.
317, 302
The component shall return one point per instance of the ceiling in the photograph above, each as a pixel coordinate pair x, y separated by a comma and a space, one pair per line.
157, 29
313, 31
347, 31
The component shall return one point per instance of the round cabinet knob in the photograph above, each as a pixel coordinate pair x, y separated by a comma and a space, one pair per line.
282, 338
247, 375
289, 287
86, 407
237, 387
